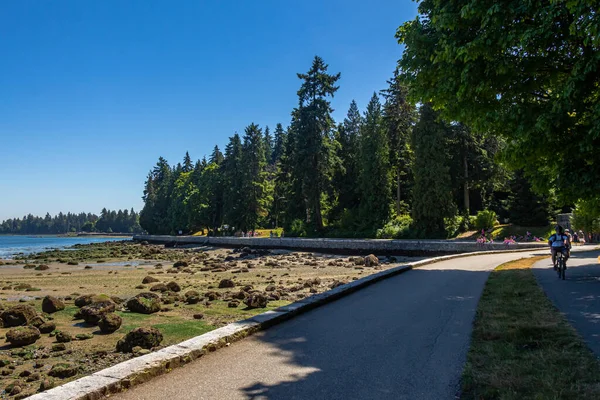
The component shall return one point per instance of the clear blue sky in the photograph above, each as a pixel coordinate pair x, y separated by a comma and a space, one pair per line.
93, 92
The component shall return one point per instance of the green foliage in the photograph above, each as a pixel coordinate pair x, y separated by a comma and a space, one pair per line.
122, 221
254, 185
527, 208
399, 116
315, 147
374, 169
586, 216
398, 228
432, 195
297, 229
527, 71
485, 219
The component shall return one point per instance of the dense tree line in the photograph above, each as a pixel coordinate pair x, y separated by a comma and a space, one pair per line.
122, 221
394, 161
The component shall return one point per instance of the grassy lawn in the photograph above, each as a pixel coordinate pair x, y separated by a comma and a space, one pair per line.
522, 347
502, 231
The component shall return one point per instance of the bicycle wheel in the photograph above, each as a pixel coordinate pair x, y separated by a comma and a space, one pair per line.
563, 269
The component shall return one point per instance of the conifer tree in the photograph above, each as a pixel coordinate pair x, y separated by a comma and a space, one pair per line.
315, 146
432, 194
254, 176
374, 178
279, 145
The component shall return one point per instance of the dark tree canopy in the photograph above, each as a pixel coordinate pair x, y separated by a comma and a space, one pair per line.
525, 70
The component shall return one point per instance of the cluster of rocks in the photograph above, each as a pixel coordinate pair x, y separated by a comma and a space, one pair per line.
25, 323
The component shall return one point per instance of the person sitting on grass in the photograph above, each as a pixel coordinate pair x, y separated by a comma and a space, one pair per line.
559, 242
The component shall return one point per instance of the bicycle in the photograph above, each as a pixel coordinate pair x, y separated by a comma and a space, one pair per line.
561, 265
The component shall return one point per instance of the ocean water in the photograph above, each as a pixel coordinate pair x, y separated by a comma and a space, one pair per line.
11, 245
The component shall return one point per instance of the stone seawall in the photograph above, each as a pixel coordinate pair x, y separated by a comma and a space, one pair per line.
344, 246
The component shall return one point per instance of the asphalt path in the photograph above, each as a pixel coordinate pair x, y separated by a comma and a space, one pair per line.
578, 296
402, 338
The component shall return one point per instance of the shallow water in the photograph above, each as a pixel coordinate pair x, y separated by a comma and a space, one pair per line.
12, 245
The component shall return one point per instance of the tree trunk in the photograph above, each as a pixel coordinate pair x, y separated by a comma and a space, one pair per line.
466, 185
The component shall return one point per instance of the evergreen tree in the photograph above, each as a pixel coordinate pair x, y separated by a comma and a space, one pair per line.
155, 214
268, 145
288, 203
399, 117
432, 194
315, 146
346, 178
279, 144
233, 182
216, 157
526, 207
374, 178
187, 163
254, 177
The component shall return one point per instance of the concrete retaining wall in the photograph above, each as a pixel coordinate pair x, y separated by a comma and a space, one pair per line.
360, 246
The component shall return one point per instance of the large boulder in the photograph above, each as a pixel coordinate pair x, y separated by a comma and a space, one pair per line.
110, 323
159, 287
84, 300
144, 303
145, 337
47, 327
51, 304
23, 335
174, 287
149, 279
63, 337
257, 300
18, 315
226, 283
93, 312
371, 260
62, 370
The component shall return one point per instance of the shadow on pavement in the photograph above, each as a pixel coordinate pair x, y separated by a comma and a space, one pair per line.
403, 338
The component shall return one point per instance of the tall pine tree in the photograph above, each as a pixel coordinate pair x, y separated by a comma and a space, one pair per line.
254, 177
432, 194
374, 178
315, 145
399, 117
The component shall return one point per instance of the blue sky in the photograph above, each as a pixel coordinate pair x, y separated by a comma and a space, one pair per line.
93, 92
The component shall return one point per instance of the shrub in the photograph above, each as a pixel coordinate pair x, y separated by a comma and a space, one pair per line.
485, 219
397, 228
297, 229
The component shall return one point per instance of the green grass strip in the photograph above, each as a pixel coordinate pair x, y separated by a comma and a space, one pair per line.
522, 347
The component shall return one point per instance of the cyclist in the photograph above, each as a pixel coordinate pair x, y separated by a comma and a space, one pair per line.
559, 242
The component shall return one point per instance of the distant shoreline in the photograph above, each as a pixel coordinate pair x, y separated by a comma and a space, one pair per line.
98, 235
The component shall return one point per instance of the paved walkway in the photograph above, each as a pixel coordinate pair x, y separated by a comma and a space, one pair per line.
578, 297
403, 338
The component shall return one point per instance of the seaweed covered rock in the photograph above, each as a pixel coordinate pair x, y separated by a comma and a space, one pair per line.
62, 370
257, 300
51, 304
371, 260
226, 283
144, 337
93, 313
18, 315
173, 287
63, 337
23, 335
109, 323
144, 303
149, 279
47, 327
159, 287
84, 300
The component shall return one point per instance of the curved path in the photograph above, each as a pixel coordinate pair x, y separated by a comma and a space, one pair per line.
577, 297
403, 338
